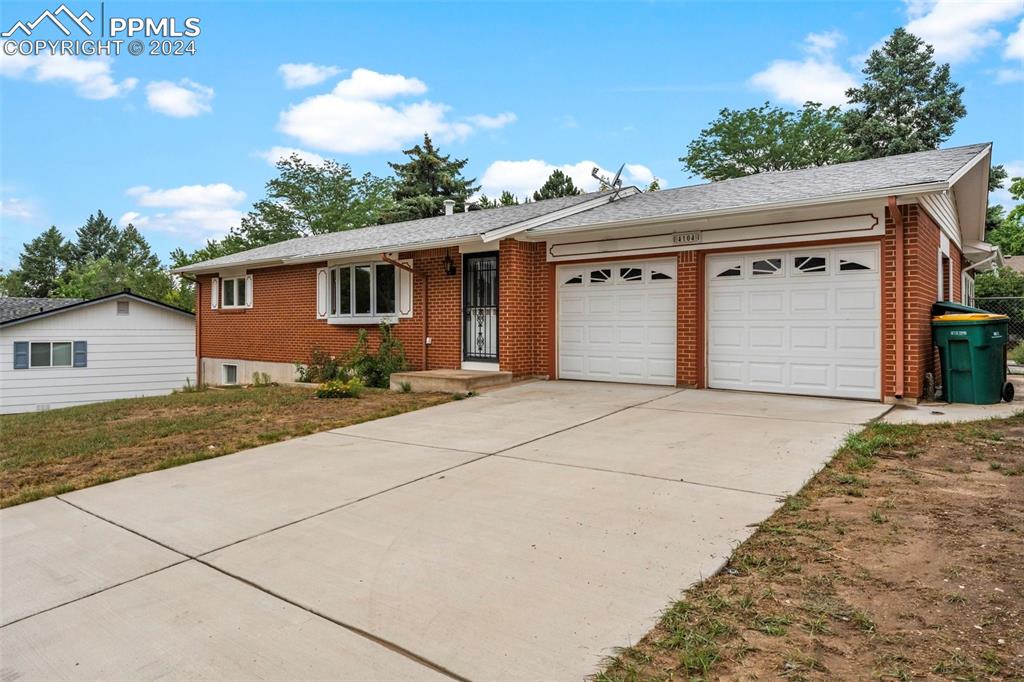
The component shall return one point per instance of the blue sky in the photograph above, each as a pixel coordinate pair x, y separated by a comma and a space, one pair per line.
181, 145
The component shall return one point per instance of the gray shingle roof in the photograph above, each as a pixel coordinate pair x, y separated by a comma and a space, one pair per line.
14, 307
397, 236
806, 184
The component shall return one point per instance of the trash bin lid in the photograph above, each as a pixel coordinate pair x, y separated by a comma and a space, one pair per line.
968, 317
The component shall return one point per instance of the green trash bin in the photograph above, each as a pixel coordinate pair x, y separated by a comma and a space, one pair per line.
972, 351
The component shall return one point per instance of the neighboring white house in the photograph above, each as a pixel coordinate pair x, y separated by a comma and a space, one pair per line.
63, 352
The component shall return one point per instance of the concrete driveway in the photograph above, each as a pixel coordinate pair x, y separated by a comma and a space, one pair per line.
521, 534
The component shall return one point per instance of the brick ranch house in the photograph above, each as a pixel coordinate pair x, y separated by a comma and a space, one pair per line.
816, 282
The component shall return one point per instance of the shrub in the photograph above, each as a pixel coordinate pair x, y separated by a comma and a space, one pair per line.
338, 388
261, 379
1017, 354
375, 369
322, 367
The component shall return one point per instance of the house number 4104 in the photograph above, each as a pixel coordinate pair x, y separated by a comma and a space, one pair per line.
686, 238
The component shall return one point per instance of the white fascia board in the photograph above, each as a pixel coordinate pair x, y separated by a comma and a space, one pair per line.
986, 152
759, 208
363, 253
516, 228
201, 268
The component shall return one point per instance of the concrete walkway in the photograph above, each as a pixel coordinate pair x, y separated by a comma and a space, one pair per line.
521, 534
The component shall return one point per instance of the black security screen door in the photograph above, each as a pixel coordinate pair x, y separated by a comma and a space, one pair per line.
480, 307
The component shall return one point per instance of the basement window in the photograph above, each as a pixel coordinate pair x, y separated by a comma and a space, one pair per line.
229, 375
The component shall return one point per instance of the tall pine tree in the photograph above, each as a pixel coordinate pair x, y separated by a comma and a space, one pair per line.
557, 185
425, 181
906, 104
40, 266
99, 237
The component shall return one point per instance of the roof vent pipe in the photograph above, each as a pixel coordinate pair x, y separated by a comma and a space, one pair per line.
449, 206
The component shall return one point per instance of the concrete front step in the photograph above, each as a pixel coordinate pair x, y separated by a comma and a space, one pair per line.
449, 380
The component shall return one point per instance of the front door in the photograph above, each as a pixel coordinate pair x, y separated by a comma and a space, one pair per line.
480, 307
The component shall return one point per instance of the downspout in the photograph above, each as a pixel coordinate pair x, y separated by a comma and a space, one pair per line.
426, 302
897, 220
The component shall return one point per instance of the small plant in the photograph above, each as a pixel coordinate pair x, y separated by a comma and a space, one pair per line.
339, 388
1017, 354
375, 369
405, 386
189, 387
261, 379
322, 367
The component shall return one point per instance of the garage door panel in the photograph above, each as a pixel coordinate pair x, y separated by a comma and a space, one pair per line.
767, 374
850, 339
857, 300
726, 338
766, 302
728, 302
662, 337
809, 301
767, 338
811, 325
810, 338
627, 322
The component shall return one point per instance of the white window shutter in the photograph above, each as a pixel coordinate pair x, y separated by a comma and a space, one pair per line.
321, 293
405, 288
214, 293
248, 291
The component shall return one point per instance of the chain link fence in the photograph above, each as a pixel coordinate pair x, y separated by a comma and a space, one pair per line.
1012, 307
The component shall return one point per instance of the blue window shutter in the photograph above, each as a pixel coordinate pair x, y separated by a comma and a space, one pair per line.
80, 353
21, 355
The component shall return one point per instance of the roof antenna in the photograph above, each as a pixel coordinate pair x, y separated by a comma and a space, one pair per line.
616, 183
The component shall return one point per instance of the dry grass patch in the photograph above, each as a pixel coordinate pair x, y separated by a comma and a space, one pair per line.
902, 559
48, 453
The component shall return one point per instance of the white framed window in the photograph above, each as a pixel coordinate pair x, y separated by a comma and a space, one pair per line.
50, 354
967, 289
234, 292
362, 292
229, 374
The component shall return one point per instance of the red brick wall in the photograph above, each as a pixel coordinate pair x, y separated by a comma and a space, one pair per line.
282, 326
523, 307
920, 276
690, 319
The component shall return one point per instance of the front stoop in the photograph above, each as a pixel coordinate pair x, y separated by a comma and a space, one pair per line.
449, 380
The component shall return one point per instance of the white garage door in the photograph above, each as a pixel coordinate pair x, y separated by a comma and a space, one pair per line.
799, 321
617, 322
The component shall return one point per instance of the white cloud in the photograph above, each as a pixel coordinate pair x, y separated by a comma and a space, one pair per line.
183, 99
275, 154
1015, 43
490, 122
304, 75
823, 44
353, 119
194, 212
1004, 76
816, 78
366, 84
522, 178
17, 209
1014, 169
91, 77
958, 30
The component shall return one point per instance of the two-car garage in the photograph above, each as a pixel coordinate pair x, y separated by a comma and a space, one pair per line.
804, 321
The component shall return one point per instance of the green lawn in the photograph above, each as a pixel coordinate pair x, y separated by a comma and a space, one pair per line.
48, 453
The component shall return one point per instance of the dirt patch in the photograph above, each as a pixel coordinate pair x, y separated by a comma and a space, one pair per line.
49, 453
903, 559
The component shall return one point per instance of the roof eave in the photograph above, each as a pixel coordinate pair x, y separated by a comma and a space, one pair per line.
93, 301
525, 225
775, 206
